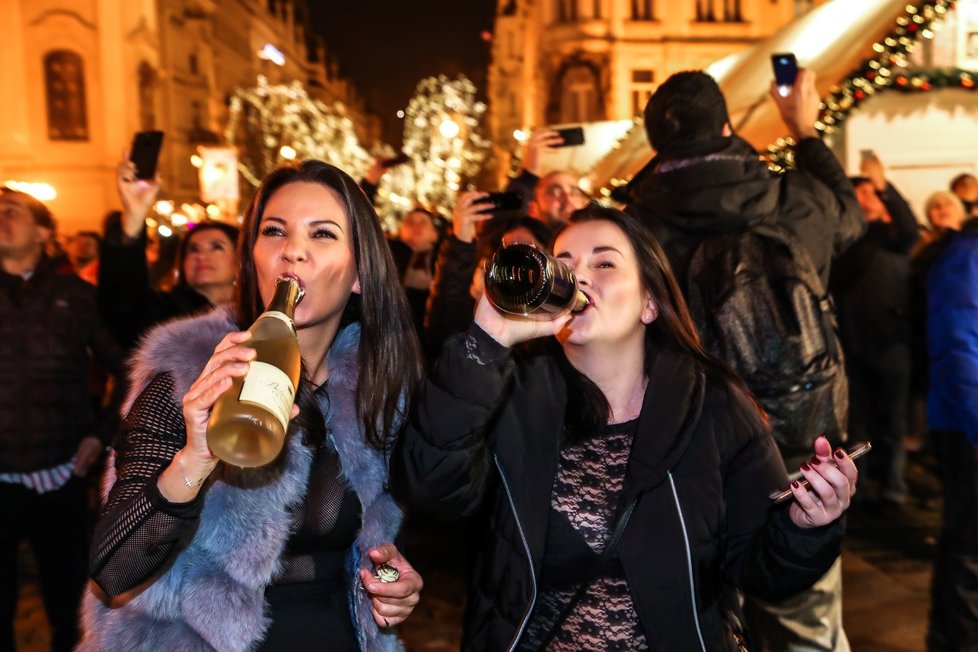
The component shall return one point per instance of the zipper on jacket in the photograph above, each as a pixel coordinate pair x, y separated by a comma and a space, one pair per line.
689, 562
529, 558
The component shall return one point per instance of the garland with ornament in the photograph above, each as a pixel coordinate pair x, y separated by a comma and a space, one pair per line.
878, 73
443, 138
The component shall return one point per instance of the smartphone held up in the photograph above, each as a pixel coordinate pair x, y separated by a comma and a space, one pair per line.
145, 153
785, 71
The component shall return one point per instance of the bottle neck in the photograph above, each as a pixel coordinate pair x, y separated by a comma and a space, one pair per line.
287, 295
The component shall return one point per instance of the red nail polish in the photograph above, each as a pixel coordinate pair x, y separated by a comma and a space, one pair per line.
795, 484
816, 462
805, 467
841, 454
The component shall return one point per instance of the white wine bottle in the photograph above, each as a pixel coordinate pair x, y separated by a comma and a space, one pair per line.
248, 423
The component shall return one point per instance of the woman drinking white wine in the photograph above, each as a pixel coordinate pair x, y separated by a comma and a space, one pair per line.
189, 550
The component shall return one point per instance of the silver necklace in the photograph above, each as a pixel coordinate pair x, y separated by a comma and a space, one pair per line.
624, 408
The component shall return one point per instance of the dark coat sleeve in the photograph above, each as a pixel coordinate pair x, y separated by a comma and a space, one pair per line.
442, 464
450, 307
819, 205
905, 230
766, 554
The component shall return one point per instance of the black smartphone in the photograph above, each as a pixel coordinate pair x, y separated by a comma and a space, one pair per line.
397, 160
145, 152
500, 202
784, 493
572, 136
785, 71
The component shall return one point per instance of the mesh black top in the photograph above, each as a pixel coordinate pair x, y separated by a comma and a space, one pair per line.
585, 495
138, 529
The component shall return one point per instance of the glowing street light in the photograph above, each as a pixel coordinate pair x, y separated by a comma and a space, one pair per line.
39, 191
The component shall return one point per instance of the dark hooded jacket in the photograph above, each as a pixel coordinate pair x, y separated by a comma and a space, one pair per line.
721, 186
488, 424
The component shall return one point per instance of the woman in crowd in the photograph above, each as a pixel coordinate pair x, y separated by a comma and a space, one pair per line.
188, 550
414, 254
630, 470
206, 265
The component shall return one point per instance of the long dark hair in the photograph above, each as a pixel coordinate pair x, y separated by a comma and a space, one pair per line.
673, 329
389, 354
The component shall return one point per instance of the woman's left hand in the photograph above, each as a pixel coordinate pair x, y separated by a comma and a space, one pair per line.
832, 477
394, 601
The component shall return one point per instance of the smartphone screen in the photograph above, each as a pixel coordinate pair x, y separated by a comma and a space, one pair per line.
499, 202
145, 152
785, 71
572, 136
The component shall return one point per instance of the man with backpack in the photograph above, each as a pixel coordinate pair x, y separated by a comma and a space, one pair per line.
753, 252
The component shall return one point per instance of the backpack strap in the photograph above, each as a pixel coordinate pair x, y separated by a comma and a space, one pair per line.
826, 305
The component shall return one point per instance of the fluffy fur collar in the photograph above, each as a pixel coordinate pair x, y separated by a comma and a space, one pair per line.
212, 595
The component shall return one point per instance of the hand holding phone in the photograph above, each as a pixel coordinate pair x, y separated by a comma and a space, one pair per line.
785, 71
784, 493
500, 202
572, 136
145, 153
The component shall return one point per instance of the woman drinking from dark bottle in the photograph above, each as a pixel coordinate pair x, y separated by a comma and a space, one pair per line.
629, 471
191, 553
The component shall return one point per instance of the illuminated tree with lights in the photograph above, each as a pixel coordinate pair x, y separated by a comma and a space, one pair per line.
443, 137
274, 124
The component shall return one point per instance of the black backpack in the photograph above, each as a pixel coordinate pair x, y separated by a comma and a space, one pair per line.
759, 305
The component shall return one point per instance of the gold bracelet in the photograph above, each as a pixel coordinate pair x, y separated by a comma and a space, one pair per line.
187, 481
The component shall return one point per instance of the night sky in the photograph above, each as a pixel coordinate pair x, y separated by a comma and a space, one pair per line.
387, 46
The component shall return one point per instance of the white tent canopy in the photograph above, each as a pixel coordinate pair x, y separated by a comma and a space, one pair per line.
831, 40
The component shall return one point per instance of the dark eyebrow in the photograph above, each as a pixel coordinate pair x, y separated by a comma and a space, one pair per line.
315, 223
596, 250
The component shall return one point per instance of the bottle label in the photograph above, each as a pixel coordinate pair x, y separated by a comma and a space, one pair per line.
271, 388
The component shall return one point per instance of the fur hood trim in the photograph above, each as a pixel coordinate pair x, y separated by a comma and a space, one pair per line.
211, 596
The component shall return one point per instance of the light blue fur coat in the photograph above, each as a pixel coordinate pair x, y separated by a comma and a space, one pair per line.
212, 595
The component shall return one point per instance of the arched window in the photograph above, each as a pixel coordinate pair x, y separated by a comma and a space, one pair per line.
643, 10
579, 95
147, 96
64, 84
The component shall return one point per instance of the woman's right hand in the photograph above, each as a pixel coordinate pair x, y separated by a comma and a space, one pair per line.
230, 360
510, 330
137, 196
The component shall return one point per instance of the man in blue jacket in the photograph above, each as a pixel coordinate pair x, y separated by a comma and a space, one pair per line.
952, 416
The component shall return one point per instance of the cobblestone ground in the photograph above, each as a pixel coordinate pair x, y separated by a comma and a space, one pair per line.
886, 565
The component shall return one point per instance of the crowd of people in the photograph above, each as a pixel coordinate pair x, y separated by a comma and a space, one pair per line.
614, 465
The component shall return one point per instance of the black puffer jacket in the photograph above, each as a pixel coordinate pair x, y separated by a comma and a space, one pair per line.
702, 462
871, 283
722, 187
48, 326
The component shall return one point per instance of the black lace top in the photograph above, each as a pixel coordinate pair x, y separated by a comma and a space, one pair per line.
585, 496
138, 529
